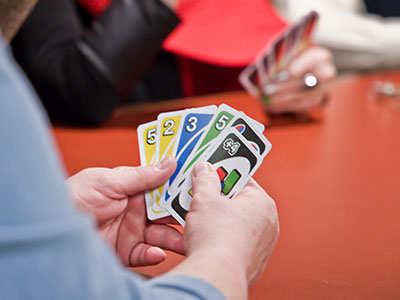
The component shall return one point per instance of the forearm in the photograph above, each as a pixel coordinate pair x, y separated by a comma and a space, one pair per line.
358, 41
50, 248
221, 269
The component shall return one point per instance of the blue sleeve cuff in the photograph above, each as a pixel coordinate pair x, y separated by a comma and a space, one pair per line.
188, 287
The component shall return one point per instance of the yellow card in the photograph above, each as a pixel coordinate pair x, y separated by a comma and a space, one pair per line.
147, 138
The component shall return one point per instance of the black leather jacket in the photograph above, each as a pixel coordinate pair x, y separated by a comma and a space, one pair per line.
82, 68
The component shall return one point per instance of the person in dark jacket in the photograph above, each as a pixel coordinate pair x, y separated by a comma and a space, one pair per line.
82, 67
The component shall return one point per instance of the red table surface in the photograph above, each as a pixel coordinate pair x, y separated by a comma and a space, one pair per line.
335, 180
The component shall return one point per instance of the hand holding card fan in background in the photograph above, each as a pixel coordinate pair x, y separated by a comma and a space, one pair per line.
280, 73
115, 199
292, 94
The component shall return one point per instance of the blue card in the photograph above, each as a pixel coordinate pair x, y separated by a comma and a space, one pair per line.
194, 125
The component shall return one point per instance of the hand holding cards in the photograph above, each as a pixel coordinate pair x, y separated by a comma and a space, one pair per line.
271, 63
232, 142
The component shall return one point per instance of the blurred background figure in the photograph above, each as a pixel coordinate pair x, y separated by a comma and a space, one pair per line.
86, 57
84, 64
362, 34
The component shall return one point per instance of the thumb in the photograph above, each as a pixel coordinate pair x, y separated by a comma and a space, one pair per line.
131, 180
146, 255
205, 181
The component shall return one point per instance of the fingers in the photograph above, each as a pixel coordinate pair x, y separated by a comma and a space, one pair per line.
300, 101
165, 237
205, 180
251, 186
146, 255
255, 191
289, 86
131, 180
309, 61
325, 72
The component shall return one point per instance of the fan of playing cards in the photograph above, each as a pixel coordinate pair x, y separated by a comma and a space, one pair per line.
272, 61
228, 139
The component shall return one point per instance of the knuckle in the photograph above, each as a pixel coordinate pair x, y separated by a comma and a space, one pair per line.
105, 178
191, 217
204, 181
201, 191
324, 54
197, 200
142, 175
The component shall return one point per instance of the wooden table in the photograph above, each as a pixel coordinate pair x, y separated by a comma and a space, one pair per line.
335, 179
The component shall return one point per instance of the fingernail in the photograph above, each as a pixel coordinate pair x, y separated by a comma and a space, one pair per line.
165, 163
157, 251
270, 89
202, 168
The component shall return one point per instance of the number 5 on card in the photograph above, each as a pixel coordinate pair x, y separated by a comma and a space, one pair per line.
147, 138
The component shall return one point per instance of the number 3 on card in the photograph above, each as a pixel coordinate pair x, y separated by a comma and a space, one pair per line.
192, 124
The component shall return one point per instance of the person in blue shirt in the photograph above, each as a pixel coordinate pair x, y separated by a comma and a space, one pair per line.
59, 240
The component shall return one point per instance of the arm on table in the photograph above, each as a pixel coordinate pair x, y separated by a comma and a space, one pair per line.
359, 40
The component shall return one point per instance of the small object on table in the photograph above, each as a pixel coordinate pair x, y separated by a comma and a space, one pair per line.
388, 93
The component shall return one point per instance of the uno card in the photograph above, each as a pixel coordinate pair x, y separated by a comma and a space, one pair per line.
168, 127
298, 30
238, 160
304, 30
264, 67
278, 50
259, 126
269, 66
244, 125
289, 49
309, 23
249, 79
147, 138
235, 161
313, 18
220, 121
194, 124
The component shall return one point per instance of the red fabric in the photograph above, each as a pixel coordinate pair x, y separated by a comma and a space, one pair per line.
95, 7
199, 78
224, 32
221, 32
215, 39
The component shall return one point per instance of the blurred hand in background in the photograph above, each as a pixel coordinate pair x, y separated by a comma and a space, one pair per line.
305, 84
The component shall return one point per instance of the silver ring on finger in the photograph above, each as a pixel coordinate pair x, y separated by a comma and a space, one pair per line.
310, 81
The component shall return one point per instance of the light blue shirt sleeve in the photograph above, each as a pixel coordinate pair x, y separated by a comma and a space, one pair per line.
48, 250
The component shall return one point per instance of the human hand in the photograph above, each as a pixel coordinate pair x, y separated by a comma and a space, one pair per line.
291, 95
115, 198
244, 228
